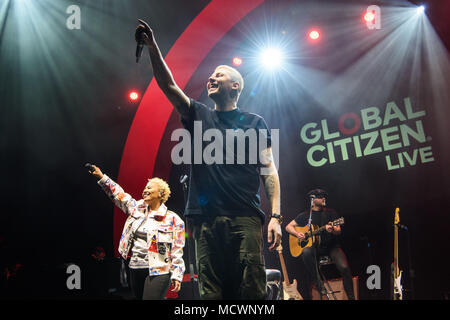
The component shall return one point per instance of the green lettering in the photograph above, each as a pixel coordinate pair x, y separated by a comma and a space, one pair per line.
386, 139
315, 134
370, 118
372, 136
392, 112
309, 156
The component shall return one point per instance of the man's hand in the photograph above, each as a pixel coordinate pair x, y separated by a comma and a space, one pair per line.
179, 100
300, 235
143, 31
176, 285
97, 172
274, 233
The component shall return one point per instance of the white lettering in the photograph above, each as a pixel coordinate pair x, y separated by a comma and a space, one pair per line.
74, 280
374, 281
74, 20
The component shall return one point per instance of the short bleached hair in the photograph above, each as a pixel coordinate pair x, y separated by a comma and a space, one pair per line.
234, 75
163, 186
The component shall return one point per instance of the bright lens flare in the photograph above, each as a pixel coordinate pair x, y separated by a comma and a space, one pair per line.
314, 34
271, 58
133, 96
237, 61
369, 16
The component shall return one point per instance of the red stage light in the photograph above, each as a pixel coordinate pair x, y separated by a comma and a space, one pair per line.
237, 61
372, 17
369, 16
314, 35
133, 95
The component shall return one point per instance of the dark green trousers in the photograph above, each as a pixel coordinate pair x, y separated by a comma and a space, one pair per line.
229, 257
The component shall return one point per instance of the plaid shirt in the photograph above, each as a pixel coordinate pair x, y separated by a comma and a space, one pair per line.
165, 238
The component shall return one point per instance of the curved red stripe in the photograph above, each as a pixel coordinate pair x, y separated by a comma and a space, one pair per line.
147, 129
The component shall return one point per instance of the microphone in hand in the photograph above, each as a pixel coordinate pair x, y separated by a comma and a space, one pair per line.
183, 179
140, 47
90, 167
140, 36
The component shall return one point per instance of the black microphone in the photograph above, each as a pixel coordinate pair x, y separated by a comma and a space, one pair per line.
90, 167
140, 46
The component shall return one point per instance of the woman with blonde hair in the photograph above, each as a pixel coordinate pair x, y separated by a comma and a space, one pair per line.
152, 235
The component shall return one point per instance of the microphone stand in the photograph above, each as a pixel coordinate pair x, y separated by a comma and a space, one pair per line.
318, 276
310, 213
190, 247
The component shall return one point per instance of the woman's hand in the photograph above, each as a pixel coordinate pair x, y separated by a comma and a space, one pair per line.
96, 172
176, 285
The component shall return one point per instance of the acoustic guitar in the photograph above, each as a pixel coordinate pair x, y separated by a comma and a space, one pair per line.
312, 236
289, 289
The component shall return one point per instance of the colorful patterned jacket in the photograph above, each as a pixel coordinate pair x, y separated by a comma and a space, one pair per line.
165, 241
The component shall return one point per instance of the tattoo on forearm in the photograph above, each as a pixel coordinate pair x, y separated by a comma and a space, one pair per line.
272, 188
269, 184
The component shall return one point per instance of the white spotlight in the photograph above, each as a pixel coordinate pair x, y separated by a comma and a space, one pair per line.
271, 58
420, 9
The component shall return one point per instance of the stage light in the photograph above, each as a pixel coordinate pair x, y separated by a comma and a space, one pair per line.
420, 9
271, 58
369, 16
237, 61
372, 17
314, 35
133, 95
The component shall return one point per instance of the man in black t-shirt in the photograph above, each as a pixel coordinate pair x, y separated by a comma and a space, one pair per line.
319, 215
223, 201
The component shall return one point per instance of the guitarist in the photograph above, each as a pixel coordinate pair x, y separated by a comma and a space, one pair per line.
329, 245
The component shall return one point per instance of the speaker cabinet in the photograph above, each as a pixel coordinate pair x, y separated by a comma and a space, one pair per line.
338, 288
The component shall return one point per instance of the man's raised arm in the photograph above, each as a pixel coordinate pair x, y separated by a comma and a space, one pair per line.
161, 72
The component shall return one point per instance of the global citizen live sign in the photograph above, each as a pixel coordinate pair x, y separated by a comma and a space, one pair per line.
393, 132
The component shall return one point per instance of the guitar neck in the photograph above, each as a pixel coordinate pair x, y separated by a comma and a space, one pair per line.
337, 222
317, 231
396, 268
396, 221
283, 267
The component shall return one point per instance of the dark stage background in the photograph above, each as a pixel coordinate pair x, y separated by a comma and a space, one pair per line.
64, 102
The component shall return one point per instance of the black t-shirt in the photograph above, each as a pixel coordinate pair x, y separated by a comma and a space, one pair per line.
321, 218
227, 186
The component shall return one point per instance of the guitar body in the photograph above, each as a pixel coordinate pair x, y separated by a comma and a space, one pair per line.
296, 246
290, 291
398, 290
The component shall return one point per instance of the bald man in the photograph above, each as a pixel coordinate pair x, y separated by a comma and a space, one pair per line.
223, 204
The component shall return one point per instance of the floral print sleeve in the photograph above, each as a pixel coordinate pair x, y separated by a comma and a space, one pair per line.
121, 199
177, 266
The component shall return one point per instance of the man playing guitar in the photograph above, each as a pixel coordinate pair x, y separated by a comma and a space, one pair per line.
328, 245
